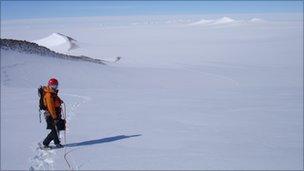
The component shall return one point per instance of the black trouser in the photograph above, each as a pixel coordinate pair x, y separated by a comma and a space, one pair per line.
52, 136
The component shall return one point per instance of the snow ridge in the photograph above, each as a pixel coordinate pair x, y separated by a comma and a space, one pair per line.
23, 46
58, 41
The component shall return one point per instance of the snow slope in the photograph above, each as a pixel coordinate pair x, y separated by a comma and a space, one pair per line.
58, 42
181, 98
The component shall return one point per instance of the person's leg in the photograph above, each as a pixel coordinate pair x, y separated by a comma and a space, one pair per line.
55, 137
49, 138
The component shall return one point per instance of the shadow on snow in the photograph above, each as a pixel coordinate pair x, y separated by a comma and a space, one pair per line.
102, 140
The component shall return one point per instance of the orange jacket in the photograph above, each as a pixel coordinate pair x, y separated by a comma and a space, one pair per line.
51, 101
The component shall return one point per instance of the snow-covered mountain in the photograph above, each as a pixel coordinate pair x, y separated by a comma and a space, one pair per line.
220, 21
58, 42
23, 46
257, 20
202, 22
225, 21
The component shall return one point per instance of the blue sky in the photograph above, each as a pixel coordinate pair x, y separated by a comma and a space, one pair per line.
48, 9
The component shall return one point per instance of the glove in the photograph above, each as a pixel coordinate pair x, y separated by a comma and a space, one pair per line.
55, 121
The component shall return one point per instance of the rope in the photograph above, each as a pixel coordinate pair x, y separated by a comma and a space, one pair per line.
65, 142
39, 115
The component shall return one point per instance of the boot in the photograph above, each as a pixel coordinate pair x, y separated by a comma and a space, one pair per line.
59, 145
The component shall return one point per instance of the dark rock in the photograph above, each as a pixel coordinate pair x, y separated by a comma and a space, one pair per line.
23, 46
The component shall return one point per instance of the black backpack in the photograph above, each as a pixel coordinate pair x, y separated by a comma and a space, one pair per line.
41, 95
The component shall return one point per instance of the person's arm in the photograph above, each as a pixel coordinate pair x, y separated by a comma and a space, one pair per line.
61, 101
50, 105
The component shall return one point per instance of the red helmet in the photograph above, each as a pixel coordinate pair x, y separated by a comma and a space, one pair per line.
53, 82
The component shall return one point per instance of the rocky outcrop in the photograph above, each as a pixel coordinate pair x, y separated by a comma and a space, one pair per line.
23, 46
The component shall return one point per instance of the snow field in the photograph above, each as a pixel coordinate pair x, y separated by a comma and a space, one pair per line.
182, 97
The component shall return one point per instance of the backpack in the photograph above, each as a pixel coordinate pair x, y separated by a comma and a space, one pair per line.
41, 95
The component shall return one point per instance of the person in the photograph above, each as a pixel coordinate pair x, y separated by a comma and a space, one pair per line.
53, 112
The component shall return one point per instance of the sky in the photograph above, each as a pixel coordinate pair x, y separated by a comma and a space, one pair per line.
51, 9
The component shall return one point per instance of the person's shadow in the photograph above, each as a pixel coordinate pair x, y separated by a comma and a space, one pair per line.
102, 140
